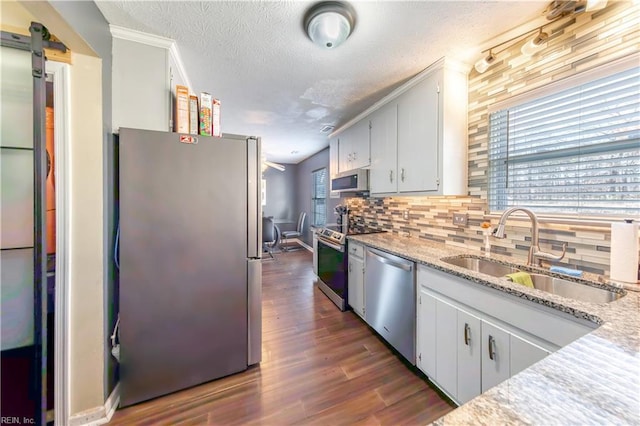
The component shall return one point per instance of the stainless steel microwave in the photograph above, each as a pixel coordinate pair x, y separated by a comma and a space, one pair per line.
351, 181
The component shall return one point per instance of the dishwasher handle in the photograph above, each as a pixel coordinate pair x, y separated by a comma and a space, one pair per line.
384, 259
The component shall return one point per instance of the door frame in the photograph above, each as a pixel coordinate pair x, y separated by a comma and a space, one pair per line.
61, 100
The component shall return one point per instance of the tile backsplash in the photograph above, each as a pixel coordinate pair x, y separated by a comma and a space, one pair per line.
431, 218
574, 45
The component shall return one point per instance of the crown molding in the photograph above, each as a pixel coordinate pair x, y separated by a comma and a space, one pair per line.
177, 59
140, 37
155, 41
443, 62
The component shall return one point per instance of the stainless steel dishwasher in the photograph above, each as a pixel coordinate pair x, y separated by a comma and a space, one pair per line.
390, 300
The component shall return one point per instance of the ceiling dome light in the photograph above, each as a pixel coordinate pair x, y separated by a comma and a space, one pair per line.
537, 43
329, 24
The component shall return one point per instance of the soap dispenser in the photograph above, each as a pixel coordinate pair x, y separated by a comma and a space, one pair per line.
486, 232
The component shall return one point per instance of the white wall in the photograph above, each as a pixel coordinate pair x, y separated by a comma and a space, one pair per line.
140, 82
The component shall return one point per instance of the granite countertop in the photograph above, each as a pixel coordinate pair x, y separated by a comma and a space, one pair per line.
593, 380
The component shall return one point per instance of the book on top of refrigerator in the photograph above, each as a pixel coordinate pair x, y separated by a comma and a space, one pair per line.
194, 115
206, 116
182, 109
216, 119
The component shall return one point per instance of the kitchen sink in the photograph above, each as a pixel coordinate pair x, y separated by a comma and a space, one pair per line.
483, 266
573, 290
547, 283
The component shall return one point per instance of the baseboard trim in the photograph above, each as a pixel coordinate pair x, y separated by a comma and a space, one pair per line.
98, 415
111, 404
302, 243
305, 245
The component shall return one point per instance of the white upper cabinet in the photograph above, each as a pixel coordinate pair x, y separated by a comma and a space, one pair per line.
333, 164
353, 146
418, 111
429, 145
383, 175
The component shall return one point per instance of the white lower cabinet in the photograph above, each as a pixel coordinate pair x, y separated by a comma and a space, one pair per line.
495, 356
465, 351
355, 278
524, 353
469, 375
315, 253
446, 347
426, 327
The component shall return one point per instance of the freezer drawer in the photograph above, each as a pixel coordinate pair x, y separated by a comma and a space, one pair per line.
390, 300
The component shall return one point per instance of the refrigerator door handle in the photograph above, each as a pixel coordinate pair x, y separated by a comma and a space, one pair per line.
254, 320
254, 201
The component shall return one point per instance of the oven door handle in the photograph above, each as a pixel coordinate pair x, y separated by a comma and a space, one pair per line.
333, 246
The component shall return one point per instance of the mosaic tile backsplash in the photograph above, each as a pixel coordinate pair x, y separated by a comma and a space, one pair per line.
574, 45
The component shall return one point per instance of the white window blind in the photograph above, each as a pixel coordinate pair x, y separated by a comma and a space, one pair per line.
573, 152
319, 197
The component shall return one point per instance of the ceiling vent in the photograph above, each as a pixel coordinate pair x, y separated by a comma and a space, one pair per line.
327, 129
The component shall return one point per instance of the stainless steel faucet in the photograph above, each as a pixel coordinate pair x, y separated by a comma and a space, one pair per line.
534, 250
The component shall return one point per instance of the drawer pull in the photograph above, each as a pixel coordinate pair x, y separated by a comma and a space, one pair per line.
492, 348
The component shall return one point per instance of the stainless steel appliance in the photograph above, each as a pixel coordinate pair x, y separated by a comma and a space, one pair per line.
190, 271
390, 302
351, 181
332, 261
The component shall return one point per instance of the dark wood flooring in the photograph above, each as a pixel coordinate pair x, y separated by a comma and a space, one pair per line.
319, 366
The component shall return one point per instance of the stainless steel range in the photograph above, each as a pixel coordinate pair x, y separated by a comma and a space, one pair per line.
332, 261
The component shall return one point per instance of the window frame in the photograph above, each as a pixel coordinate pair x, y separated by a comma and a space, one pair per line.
570, 82
315, 199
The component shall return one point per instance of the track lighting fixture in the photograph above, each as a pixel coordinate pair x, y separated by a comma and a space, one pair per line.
595, 5
537, 43
484, 63
556, 10
532, 46
559, 8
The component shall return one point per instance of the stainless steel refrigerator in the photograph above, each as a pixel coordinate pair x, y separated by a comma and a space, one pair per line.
190, 271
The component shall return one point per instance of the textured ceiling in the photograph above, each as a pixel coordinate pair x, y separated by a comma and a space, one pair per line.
273, 82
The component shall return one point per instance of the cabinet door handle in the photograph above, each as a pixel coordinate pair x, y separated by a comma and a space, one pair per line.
492, 348
467, 334
349, 266
402, 175
390, 176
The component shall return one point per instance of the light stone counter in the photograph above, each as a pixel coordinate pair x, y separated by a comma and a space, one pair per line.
594, 380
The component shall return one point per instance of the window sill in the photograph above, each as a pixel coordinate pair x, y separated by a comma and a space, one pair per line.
595, 222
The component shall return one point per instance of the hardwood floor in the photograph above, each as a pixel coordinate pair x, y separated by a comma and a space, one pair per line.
319, 366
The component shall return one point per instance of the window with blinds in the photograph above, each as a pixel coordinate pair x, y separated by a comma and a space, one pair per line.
573, 152
319, 197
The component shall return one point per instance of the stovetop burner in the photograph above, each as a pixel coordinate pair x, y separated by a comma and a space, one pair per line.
335, 234
357, 230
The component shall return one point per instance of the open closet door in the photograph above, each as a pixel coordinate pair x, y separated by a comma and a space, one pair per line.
23, 255
20, 368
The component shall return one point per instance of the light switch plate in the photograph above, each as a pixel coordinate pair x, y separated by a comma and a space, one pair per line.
460, 219
405, 214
